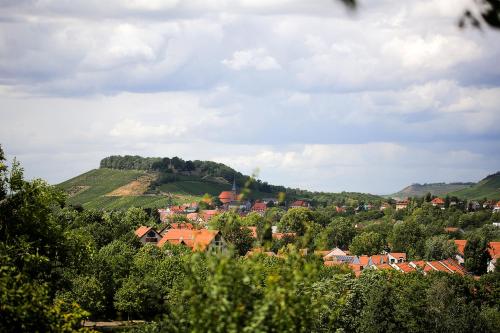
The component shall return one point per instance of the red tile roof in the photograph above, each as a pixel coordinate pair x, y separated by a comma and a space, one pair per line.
380, 259
280, 235
384, 266
454, 266
398, 255
259, 206
405, 267
460, 245
438, 201
195, 239
142, 230
253, 230
182, 226
439, 266
227, 196
363, 260
299, 203
494, 250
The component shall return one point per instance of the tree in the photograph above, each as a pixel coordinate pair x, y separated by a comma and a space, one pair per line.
408, 237
439, 247
230, 226
339, 233
368, 243
89, 293
295, 220
476, 254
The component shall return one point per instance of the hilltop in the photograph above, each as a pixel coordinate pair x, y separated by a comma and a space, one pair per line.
438, 189
126, 181
488, 188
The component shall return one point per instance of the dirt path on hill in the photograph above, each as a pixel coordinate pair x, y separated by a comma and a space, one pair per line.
135, 187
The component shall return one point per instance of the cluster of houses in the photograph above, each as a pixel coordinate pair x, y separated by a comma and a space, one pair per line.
205, 240
183, 234
440, 203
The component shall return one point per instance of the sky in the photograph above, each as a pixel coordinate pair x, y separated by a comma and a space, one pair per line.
305, 92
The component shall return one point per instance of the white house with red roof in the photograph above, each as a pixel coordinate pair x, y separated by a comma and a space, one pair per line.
300, 203
147, 235
402, 204
494, 250
198, 240
497, 207
438, 202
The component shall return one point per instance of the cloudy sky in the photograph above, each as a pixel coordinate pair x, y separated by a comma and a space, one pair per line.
312, 95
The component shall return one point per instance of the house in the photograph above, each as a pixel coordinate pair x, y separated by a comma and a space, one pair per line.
438, 202
300, 203
275, 201
404, 267
384, 206
147, 235
333, 253
253, 230
460, 243
207, 215
259, 207
181, 226
473, 206
198, 240
395, 257
494, 250
340, 209
281, 235
259, 250
402, 204
497, 207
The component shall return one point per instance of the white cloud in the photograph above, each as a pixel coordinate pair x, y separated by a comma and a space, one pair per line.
129, 128
257, 59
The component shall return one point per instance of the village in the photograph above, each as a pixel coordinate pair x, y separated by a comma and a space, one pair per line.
192, 231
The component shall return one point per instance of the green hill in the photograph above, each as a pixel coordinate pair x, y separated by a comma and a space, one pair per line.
489, 188
420, 190
125, 181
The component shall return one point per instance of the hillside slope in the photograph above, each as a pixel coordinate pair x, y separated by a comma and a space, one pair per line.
439, 189
489, 188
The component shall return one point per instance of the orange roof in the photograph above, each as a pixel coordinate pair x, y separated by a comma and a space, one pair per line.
438, 201
299, 203
259, 250
398, 255
439, 266
384, 266
363, 260
494, 250
451, 229
379, 259
209, 213
182, 226
259, 206
253, 230
405, 267
280, 235
460, 245
192, 216
454, 266
142, 230
419, 263
227, 196
195, 239
498, 204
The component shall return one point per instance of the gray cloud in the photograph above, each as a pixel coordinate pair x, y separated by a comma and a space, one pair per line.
393, 94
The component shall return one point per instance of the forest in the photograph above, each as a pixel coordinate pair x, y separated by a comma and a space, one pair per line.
61, 265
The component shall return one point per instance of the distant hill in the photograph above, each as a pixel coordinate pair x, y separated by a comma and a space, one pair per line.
126, 181
420, 190
488, 188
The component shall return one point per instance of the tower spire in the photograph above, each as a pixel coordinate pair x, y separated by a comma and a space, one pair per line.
234, 185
